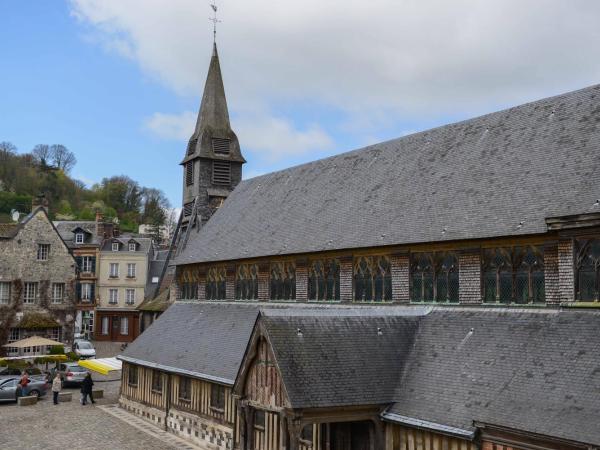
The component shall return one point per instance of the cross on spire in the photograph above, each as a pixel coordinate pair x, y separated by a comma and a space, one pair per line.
214, 19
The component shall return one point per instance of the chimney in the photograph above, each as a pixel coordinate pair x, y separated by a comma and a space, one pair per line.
99, 216
40, 200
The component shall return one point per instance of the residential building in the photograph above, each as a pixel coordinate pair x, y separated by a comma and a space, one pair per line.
122, 281
37, 280
84, 239
440, 290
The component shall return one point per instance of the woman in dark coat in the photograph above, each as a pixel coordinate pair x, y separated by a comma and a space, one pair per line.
86, 389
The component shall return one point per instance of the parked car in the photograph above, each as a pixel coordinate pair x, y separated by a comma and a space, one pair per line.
8, 389
84, 349
71, 373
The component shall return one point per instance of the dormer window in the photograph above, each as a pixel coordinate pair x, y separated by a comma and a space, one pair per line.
220, 146
132, 246
115, 246
79, 237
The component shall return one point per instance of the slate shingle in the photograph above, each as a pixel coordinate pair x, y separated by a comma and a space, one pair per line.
474, 179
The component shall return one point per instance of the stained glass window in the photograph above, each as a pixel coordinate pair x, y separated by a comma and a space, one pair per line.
215, 283
246, 282
434, 277
283, 281
372, 279
513, 275
324, 280
587, 267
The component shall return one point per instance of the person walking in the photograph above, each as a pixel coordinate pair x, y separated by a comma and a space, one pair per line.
56, 387
86, 389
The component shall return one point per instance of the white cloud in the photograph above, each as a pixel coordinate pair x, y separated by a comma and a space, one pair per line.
418, 56
270, 138
172, 126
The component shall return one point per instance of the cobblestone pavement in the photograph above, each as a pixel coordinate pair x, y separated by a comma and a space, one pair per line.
71, 425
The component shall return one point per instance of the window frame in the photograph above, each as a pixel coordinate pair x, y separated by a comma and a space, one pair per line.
246, 282
5, 291
215, 285
124, 326
113, 270
104, 331
58, 286
587, 262
115, 247
43, 252
131, 269
132, 247
320, 282
79, 238
132, 375
157, 387
187, 391
112, 291
27, 286
129, 301
86, 291
366, 269
217, 397
434, 268
282, 281
86, 263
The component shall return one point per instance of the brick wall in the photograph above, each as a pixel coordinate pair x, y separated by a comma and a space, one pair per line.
400, 278
551, 275
346, 279
469, 277
566, 280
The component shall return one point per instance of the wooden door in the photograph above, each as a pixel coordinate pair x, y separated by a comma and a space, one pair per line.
115, 329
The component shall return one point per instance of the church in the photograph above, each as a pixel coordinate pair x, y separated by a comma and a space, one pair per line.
436, 291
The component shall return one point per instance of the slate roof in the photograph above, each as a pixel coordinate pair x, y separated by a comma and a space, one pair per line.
340, 360
202, 340
155, 270
66, 230
145, 244
474, 179
533, 371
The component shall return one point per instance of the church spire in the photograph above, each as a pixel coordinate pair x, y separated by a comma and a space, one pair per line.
213, 109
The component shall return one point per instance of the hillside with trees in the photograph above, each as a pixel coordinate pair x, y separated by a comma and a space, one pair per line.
45, 170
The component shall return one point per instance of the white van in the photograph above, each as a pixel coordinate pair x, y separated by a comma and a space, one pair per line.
84, 349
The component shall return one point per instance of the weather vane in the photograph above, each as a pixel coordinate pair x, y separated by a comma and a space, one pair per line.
214, 19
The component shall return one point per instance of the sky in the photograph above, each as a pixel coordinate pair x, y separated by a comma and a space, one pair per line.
119, 81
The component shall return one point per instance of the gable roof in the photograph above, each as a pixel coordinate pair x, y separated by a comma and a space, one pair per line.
473, 179
535, 371
201, 340
339, 360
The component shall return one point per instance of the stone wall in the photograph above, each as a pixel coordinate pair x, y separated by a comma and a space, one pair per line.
19, 265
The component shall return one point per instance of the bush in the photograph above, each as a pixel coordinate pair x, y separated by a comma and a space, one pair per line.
57, 350
73, 356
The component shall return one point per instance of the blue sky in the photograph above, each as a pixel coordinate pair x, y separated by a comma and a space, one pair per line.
119, 82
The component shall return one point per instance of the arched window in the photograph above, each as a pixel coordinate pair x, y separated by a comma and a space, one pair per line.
587, 270
513, 275
324, 280
372, 279
283, 281
246, 282
434, 277
215, 283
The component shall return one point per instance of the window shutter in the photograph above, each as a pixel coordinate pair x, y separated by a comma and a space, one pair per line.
78, 291
92, 292
79, 262
221, 172
93, 264
220, 146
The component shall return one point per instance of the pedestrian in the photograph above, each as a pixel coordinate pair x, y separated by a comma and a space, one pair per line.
56, 387
22, 386
86, 389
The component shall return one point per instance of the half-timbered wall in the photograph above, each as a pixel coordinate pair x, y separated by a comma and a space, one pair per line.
200, 400
139, 398
263, 383
403, 438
